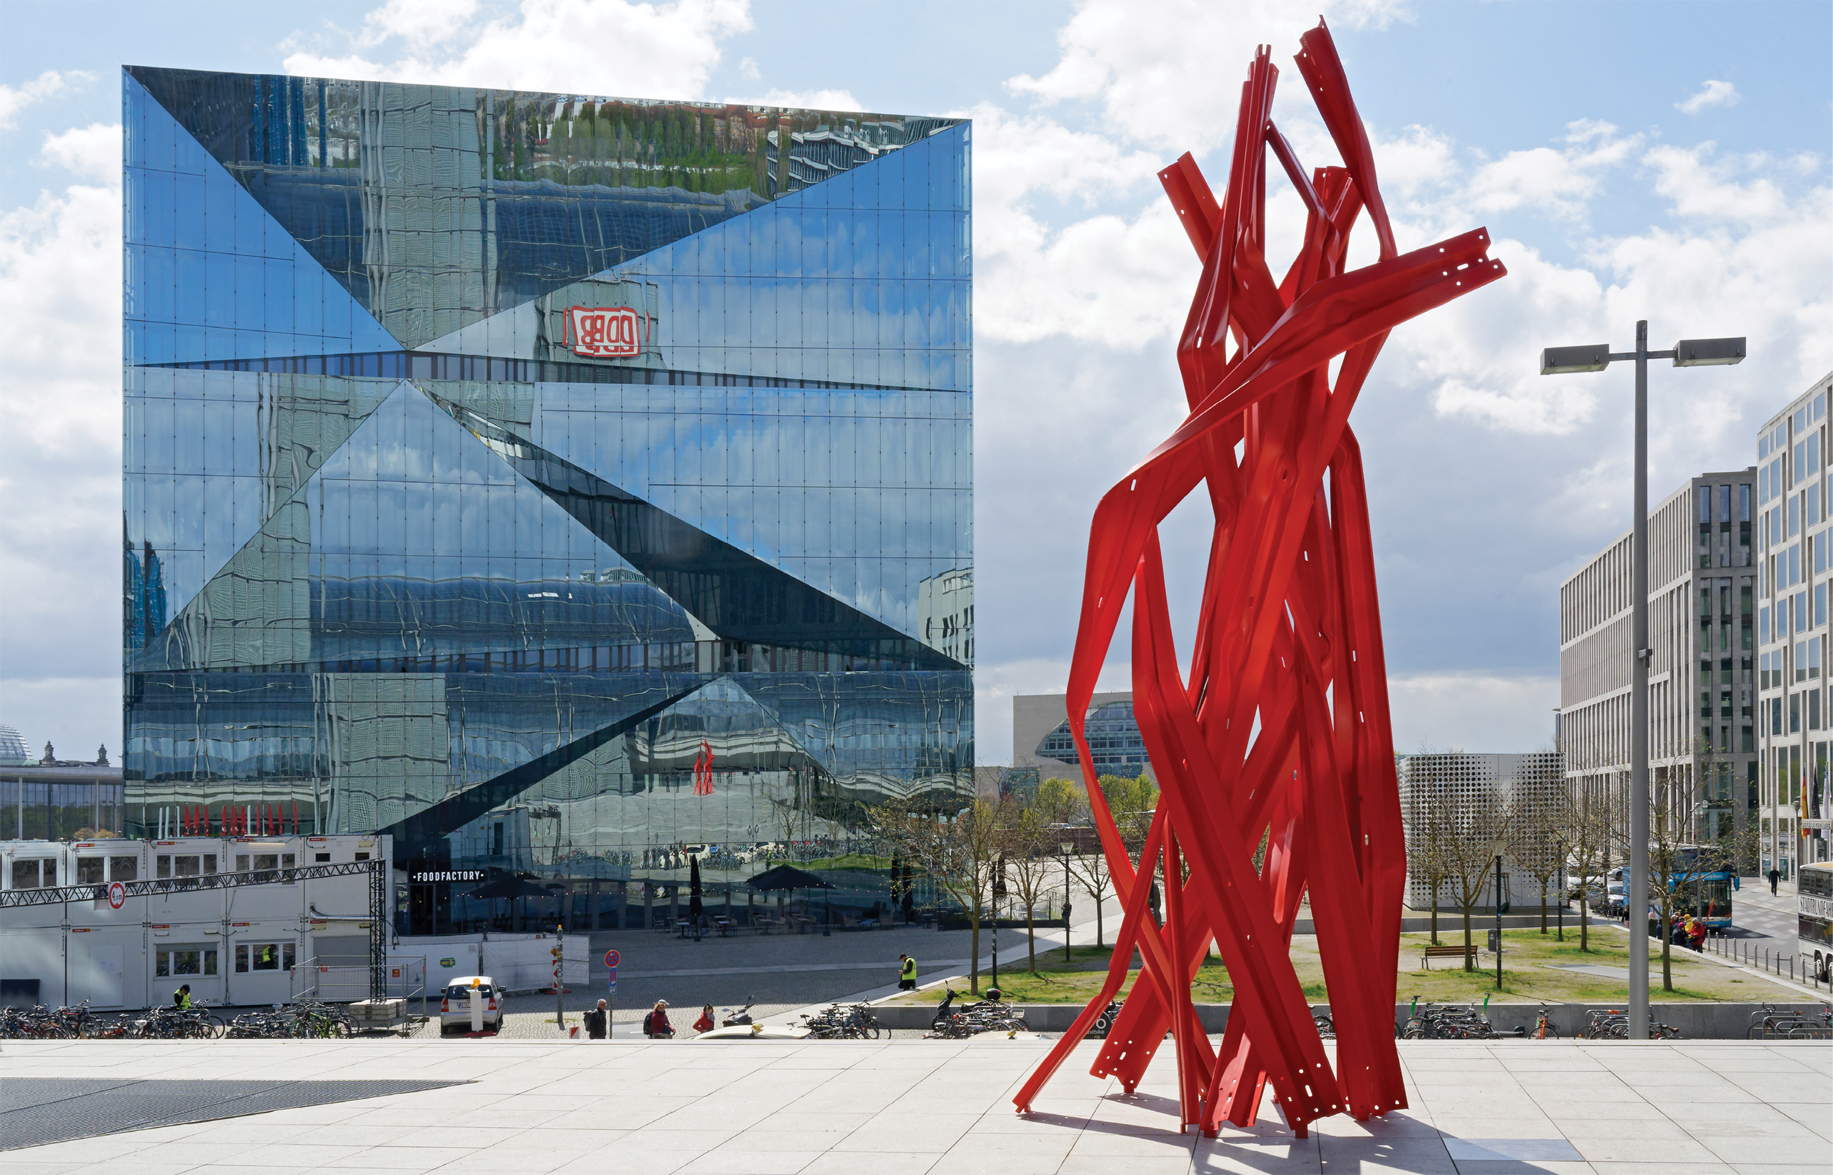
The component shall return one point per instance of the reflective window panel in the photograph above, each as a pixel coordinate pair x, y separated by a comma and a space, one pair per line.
563, 485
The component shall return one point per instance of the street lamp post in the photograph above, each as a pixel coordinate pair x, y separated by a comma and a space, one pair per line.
1596, 357
1500, 906
1499, 848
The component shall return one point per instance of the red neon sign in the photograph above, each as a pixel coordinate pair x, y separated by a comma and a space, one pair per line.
604, 332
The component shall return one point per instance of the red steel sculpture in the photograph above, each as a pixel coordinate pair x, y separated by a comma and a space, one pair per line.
1281, 730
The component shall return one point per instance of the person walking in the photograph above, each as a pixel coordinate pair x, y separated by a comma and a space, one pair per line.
656, 1024
906, 975
595, 1021
1775, 875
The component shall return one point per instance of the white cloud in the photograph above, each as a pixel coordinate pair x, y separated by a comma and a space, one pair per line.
426, 21
1161, 72
1713, 93
46, 85
60, 304
1698, 186
747, 69
60, 485
578, 46
91, 153
1559, 181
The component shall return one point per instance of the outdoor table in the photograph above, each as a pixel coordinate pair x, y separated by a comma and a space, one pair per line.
726, 926
681, 924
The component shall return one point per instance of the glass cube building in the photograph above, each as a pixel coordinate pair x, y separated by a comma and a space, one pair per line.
555, 483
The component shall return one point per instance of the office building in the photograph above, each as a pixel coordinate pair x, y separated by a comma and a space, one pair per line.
1041, 740
543, 471
1793, 715
1701, 623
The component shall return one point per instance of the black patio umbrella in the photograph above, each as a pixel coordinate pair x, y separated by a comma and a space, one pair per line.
694, 908
787, 877
511, 888
909, 894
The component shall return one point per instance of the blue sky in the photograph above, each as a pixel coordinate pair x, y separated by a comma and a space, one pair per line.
1668, 161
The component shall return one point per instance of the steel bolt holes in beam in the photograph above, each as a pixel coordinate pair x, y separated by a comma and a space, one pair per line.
1280, 731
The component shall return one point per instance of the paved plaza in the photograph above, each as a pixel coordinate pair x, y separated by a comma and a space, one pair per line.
899, 1108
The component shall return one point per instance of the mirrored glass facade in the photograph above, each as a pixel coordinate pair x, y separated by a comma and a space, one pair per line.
491, 458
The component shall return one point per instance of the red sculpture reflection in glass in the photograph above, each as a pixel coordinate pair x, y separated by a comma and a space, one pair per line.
1280, 731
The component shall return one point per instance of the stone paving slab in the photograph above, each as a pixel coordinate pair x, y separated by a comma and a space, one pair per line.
940, 1108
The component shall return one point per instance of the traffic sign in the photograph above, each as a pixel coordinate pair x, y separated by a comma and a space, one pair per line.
614, 985
611, 958
117, 895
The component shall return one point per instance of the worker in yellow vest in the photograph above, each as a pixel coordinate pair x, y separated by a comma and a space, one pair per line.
906, 978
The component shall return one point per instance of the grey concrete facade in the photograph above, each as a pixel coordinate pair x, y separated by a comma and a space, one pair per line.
1702, 681
1794, 718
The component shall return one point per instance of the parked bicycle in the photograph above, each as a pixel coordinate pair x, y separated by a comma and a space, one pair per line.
169, 1023
1438, 1022
971, 1020
1613, 1024
843, 1023
1773, 1023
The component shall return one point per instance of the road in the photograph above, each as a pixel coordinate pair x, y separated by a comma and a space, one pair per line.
1756, 915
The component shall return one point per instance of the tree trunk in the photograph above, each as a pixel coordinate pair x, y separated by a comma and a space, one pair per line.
1099, 943
1584, 924
973, 974
1543, 905
1667, 945
1031, 935
1470, 954
1434, 913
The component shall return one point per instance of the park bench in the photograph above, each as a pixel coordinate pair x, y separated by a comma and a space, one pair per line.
1443, 951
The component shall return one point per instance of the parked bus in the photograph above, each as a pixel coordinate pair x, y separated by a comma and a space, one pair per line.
1706, 896
1814, 911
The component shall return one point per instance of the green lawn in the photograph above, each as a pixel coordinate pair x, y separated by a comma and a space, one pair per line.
1526, 974
847, 861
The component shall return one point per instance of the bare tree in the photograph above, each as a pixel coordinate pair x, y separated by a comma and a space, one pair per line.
1585, 834
1535, 840
1429, 826
1476, 819
1670, 859
1091, 870
960, 854
1030, 868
